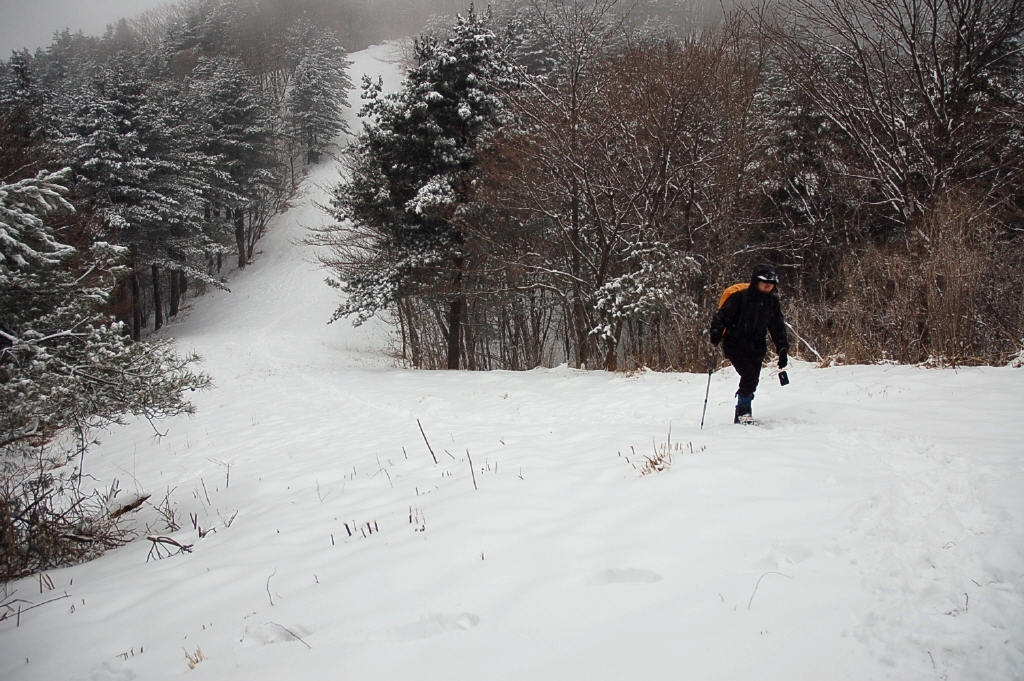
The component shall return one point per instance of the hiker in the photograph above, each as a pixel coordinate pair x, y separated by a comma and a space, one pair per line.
740, 325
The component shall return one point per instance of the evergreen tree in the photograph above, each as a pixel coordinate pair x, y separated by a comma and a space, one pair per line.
19, 126
414, 166
64, 370
318, 91
16, 82
238, 132
129, 142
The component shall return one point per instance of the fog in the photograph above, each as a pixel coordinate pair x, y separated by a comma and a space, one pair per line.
32, 23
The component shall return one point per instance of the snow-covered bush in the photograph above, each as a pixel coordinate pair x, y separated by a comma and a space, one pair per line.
64, 370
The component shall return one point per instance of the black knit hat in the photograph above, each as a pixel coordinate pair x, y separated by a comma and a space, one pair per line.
765, 272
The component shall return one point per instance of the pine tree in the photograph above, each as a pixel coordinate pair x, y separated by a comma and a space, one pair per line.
414, 166
238, 134
318, 92
19, 126
128, 140
64, 370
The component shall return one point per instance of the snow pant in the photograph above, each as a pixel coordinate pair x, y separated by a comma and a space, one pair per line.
749, 369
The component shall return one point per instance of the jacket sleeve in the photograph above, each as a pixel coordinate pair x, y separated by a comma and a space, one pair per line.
724, 318
777, 330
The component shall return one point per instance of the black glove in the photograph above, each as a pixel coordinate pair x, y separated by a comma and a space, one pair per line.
716, 339
783, 358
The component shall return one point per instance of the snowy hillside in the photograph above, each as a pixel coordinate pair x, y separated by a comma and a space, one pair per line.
871, 528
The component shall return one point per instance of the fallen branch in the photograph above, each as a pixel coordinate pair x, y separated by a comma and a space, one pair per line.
128, 508
166, 541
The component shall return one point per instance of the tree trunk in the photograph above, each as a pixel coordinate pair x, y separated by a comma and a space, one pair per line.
455, 312
240, 236
8, 540
175, 296
454, 330
158, 317
580, 330
136, 306
250, 240
611, 358
414, 337
468, 339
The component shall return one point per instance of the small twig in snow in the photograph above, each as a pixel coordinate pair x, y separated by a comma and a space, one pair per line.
227, 472
770, 572
39, 605
293, 634
156, 432
268, 587
473, 472
167, 541
431, 449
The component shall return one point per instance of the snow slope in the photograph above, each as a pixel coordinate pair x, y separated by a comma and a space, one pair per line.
871, 528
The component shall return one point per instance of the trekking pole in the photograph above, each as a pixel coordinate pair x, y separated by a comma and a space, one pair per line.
711, 370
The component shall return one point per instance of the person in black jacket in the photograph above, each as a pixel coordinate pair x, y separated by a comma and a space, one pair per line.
740, 325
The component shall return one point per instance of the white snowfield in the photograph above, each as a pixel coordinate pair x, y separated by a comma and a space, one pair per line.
871, 528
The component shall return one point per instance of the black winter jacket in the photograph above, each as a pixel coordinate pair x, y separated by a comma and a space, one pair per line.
742, 322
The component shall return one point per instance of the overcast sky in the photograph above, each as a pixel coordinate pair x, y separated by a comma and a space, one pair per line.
31, 23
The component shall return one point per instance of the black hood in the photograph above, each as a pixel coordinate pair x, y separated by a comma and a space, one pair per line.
764, 272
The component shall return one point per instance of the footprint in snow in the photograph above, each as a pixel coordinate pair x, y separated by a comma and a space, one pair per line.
624, 576
782, 556
112, 670
428, 626
265, 633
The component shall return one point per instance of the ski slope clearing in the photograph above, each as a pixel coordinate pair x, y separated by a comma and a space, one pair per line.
872, 527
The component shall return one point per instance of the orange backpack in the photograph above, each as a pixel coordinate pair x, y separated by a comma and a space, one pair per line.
735, 288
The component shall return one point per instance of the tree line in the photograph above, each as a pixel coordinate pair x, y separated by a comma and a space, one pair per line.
183, 140
131, 166
577, 181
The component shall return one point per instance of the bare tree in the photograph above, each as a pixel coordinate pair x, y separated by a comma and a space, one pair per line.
631, 163
925, 93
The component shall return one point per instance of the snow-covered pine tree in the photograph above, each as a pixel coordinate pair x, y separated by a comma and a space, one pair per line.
19, 127
527, 44
318, 91
16, 82
238, 134
126, 136
413, 167
64, 370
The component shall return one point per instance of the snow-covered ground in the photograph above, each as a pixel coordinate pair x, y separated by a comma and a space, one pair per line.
871, 528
